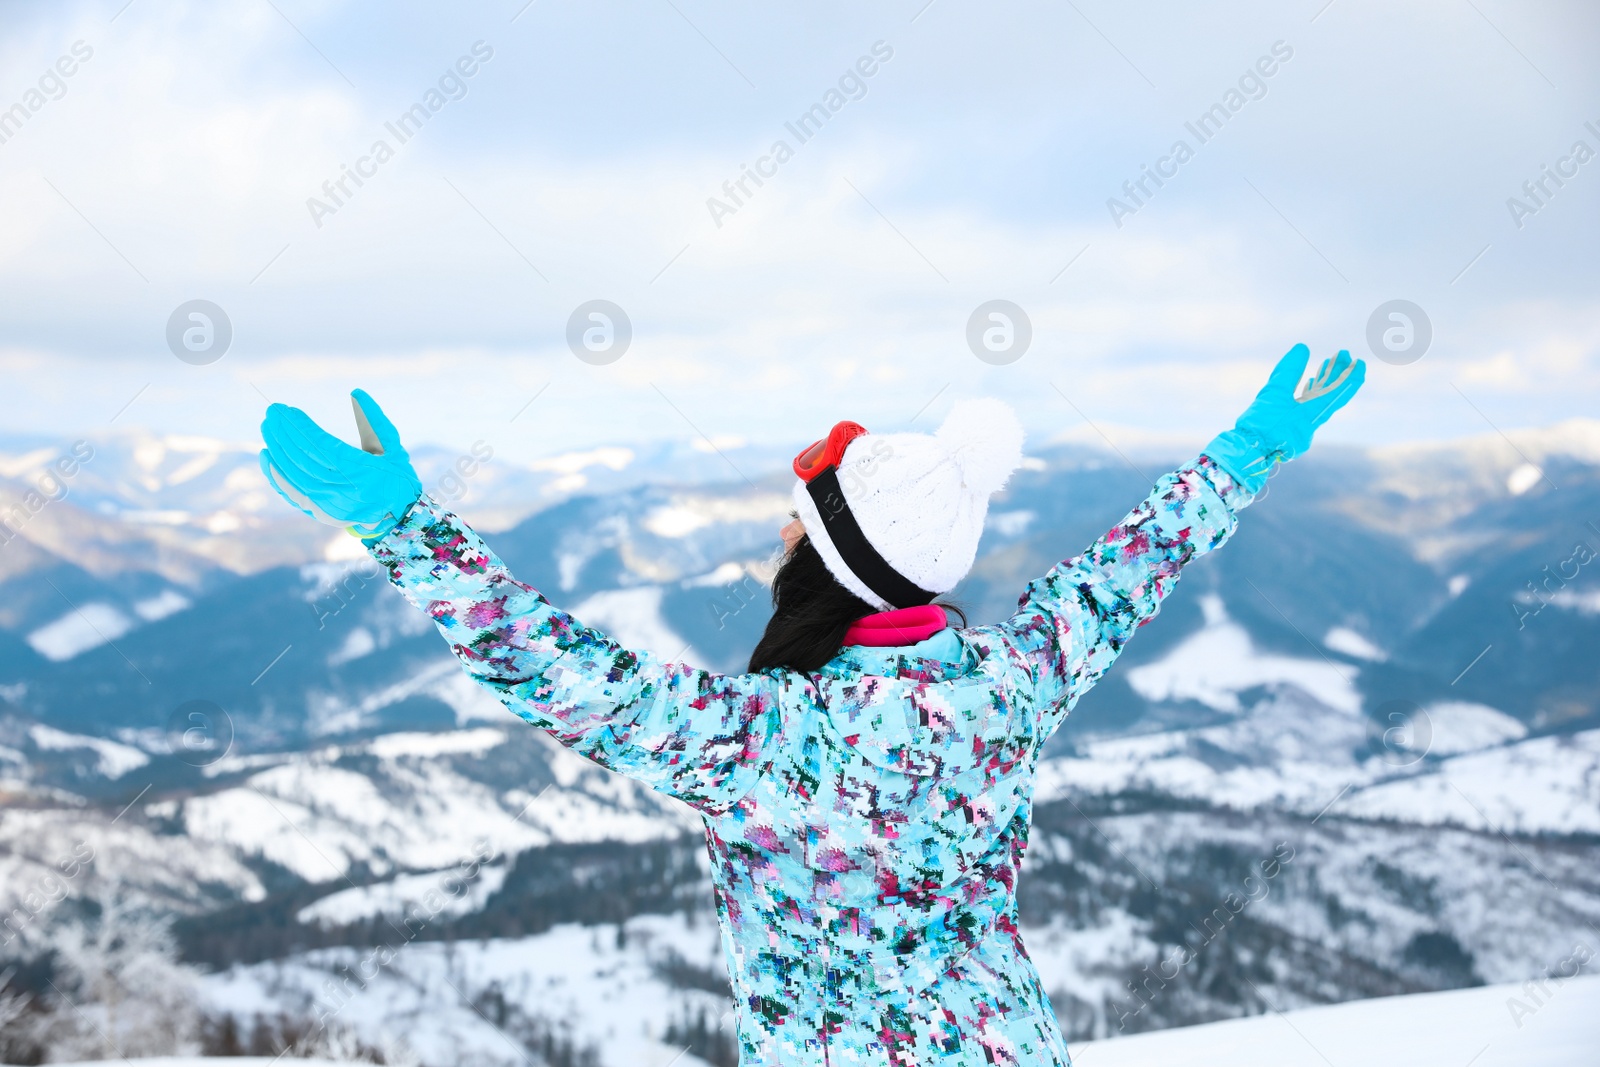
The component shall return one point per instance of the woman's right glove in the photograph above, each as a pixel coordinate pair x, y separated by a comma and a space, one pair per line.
1278, 424
366, 490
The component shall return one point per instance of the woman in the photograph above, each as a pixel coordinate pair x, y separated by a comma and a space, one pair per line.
867, 785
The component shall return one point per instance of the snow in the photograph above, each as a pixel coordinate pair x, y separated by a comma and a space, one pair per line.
685, 515
675, 521
1517, 910
343, 548
1011, 523
1287, 750
1073, 959
232, 764
420, 993
340, 579
155, 517
96, 623
168, 602
331, 714
1343, 639
611, 996
718, 443
27, 463
1546, 785
1305, 743
255, 824
39, 850
1482, 1027
114, 759
1583, 601
394, 898
1459, 727
415, 813
1522, 479
357, 643
469, 700
726, 574
1214, 665
613, 458
456, 742
79, 630
209, 1061
211, 452
1292, 752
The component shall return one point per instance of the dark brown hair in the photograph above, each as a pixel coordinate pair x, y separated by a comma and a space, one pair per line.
811, 612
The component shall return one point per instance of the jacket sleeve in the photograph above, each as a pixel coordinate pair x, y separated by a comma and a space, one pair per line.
1072, 624
694, 735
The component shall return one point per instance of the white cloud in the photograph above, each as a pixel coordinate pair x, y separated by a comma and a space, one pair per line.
192, 139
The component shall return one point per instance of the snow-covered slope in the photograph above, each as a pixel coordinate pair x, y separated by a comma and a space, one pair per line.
1491, 1026
412, 801
1546, 785
616, 990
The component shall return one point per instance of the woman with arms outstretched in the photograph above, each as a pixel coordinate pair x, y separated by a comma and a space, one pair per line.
867, 785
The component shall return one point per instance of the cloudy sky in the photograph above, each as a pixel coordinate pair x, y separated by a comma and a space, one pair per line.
1375, 162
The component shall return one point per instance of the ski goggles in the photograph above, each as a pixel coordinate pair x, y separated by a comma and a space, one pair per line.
818, 468
828, 452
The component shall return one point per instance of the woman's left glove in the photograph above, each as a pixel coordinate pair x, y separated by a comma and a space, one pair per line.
1278, 424
367, 490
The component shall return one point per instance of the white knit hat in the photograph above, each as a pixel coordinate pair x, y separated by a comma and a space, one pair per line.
920, 501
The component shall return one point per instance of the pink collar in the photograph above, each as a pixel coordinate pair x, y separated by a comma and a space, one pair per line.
905, 626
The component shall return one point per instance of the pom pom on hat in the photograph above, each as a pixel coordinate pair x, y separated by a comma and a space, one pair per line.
984, 439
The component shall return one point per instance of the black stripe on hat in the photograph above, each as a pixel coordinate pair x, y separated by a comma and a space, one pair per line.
854, 548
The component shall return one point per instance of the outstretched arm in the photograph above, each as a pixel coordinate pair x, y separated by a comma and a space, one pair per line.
1072, 624
688, 733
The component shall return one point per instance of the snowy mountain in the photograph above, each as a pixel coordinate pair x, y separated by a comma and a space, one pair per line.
1384, 689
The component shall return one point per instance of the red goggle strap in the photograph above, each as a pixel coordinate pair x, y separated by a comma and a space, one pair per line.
827, 452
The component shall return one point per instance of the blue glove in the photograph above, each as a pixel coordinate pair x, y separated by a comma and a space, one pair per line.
366, 490
1278, 424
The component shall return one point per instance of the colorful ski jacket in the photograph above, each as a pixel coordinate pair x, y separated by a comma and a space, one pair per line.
866, 823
